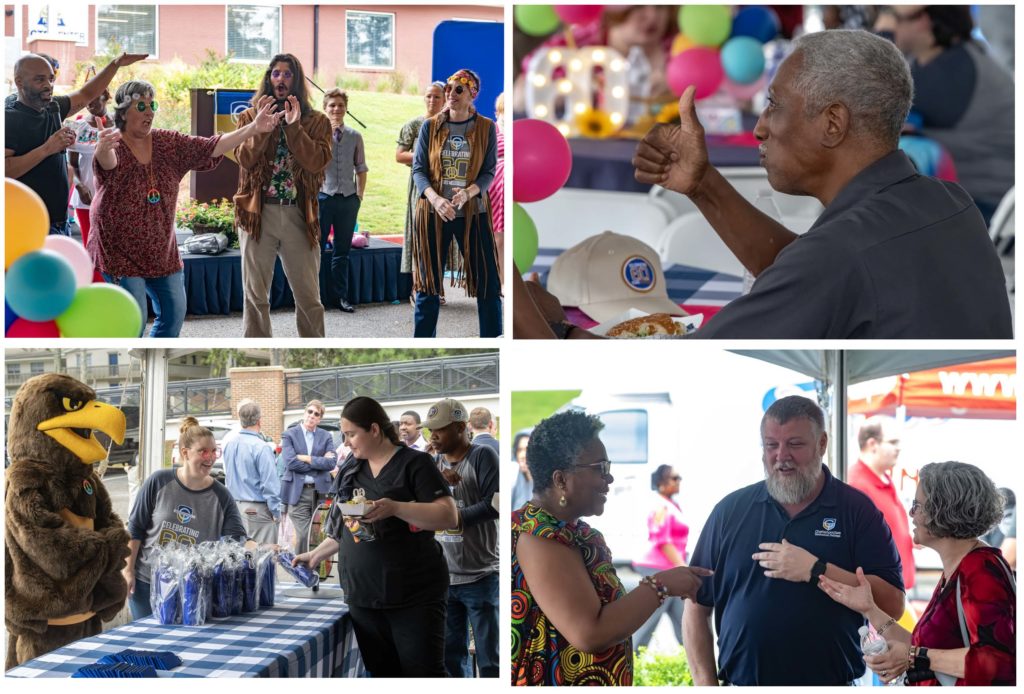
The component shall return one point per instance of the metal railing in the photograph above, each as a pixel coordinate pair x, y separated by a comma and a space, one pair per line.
427, 378
208, 396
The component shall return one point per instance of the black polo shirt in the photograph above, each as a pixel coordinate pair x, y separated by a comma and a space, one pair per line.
897, 255
402, 567
777, 632
28, 129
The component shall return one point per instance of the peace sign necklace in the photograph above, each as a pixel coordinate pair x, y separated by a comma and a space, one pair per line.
153, 194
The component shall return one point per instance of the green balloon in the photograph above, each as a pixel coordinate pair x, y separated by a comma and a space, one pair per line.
524, 239
706, 25
101, 310
536, 20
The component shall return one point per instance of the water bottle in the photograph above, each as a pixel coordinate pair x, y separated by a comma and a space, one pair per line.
870, 643
766, 204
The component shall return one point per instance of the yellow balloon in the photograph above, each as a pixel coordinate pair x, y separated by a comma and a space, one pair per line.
26, 221
681, 43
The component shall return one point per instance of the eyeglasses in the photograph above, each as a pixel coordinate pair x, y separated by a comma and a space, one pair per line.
912, 17
281, 74
457, 88
915, 504
603, 466
315, 413
141, 107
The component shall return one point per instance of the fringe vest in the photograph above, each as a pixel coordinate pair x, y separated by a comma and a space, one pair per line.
464, 274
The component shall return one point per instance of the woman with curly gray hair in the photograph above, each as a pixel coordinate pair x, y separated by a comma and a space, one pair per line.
138, 170
966, 636
571, 617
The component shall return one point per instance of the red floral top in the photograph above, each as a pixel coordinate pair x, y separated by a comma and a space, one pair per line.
130, 236
990, 610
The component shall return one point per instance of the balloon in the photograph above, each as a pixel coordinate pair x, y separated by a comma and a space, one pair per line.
681, 43
27, 328
698, 66
101, 310
536, 20
40, 285
743, 92
578, 14
26, 221
743, 59
9, 316
756, 22
541, 160
524, 238
706, 25
76, 255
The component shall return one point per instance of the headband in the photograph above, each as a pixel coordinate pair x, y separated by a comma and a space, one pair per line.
466, 77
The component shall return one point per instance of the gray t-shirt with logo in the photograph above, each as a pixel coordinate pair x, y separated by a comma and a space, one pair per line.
168, 511
472, 548
455, 160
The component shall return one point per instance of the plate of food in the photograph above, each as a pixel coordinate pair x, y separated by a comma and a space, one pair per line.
636, 324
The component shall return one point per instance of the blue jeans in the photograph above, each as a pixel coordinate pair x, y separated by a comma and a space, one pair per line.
485, 272
339, 211
138, 602
61, 229
168, 297
473, 604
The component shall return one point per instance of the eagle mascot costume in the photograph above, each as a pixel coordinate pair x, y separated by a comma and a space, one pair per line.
65, 547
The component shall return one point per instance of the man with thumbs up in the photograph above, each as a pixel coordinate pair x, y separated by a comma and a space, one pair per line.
894, 255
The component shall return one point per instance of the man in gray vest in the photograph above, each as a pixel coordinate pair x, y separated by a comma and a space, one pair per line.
472, 548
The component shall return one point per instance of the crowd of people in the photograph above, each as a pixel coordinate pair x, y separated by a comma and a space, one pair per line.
869, 266
429, 574
783, 577
302, 179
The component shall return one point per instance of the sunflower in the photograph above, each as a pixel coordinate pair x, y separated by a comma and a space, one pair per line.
669, 112
595, 123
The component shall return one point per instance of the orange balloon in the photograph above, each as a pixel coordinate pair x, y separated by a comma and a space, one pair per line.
26, 221
681, 43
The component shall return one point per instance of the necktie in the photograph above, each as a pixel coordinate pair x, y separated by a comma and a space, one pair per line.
337, 134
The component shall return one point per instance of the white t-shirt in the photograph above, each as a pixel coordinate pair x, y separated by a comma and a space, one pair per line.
85, 145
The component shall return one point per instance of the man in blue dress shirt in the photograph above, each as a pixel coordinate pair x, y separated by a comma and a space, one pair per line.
250, 474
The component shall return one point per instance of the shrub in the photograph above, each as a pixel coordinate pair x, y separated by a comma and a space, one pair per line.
660, 670
218, 216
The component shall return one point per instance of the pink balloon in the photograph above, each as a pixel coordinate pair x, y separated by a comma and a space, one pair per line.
28, 328
699, 66
578, 14
76, 255
743, 92
541, 160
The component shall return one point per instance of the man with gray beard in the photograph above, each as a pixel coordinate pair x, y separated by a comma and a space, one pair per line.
768, 544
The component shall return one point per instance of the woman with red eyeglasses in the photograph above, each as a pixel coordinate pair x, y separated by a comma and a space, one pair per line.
138, 169
453, 167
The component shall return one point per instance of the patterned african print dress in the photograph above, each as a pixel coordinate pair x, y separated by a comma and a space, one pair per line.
540, 654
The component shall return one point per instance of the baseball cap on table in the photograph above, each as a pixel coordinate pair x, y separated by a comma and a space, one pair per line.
610, 273
443, 413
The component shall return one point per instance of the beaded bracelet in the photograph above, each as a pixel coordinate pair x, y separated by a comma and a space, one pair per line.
885, 626
911, 657
657, 586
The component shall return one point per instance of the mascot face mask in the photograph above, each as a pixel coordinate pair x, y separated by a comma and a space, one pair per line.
67, 413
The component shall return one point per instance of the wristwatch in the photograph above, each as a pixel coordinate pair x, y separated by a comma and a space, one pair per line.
817, 570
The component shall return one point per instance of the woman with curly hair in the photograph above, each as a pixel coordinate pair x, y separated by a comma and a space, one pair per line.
571, 617
967, 633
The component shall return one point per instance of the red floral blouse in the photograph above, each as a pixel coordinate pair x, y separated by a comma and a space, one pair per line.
990, 610
130, 236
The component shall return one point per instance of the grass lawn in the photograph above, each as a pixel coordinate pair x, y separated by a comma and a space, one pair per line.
529, 407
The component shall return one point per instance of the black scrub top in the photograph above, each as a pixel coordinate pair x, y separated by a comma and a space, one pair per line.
403, 566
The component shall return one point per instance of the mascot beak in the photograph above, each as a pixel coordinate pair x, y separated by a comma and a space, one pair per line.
74, 430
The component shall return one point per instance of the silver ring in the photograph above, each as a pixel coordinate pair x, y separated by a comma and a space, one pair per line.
885, 673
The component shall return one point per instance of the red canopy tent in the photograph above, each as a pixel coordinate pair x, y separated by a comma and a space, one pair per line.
978, 390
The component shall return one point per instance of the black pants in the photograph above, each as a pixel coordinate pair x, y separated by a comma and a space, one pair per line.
401, 642
339, 211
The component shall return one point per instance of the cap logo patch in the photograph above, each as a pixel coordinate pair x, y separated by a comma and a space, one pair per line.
432, 412
638, 273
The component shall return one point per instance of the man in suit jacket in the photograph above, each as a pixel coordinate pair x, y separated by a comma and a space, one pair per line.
482, 425
309, 457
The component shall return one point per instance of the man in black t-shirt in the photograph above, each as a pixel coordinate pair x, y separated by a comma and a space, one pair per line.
34, 141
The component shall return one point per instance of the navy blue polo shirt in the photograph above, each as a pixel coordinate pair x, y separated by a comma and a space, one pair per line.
777, 632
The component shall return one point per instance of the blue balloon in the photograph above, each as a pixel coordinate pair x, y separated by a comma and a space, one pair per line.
40, 285
9, 317
743, 59
756, 22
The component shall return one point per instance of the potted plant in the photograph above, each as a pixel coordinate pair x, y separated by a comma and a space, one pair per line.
208, 217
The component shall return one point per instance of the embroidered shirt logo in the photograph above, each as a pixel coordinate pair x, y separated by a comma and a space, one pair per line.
829, 528
184, 513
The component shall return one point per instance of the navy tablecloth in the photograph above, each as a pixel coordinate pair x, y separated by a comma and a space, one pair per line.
213, 283
298, 637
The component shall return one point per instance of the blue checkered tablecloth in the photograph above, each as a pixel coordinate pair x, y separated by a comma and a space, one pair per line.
686, 284
297, 637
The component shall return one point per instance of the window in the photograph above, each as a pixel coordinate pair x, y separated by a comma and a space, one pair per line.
625, 436
13, 370
112, 364
254, 32
130, 27
36, 367
370, 40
